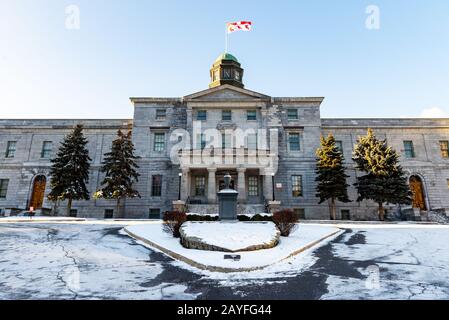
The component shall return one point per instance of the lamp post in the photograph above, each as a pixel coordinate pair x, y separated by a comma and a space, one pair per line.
179, 186
272, 183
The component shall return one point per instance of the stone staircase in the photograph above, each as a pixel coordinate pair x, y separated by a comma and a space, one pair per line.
213, 208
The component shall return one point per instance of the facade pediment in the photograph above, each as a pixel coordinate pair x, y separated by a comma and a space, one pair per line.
226, 92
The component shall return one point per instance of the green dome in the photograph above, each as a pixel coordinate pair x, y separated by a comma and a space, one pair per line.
226, 56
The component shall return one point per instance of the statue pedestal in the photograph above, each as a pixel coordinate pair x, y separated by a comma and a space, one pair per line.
227, 201
227, 204
274, 206
179, 206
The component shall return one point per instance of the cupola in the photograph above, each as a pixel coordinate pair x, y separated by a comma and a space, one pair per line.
226, 70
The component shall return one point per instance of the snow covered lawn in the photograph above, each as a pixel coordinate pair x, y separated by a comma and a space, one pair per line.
230, 236
303, 238
40, 219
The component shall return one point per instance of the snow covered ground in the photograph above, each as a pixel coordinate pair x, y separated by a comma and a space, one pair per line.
396, 262
92, 260
304, 236
77, 261
233, 236
39, 219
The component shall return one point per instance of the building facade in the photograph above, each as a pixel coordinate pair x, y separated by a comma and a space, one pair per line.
186, 146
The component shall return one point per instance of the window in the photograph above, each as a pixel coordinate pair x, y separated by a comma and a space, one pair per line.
251, 115
251, 141
237, 75
444, 147
345, 215
201, 115
47, 147
73, 213
154, 214
161, 114
159, 141
339, 145
201, 141
297, 186
3, 188
226, 141
226, 115
253, 186
10, 149
292, 114
108, 213
200, 186
156, 186
293, 141
227, 73
300, 213
408, 149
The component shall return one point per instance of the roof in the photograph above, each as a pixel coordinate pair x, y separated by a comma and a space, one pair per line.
226, 56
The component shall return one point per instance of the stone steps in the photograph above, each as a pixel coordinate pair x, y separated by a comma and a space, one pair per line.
213, 208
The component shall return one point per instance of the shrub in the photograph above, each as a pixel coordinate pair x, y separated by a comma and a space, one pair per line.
259, 217
256, 217
200, 217
242, 217
286, 221
173, 221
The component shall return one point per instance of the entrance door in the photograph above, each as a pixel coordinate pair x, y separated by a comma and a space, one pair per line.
417, 188
37, 196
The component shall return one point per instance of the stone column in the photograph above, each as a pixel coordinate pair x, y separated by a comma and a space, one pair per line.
241, 185
185, 184
273, 205
267, 186
211, 186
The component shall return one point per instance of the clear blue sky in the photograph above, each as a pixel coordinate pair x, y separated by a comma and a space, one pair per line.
165, 49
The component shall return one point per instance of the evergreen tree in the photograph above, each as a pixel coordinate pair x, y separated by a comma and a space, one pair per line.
331, 175
70, 169
119, 167
385, 180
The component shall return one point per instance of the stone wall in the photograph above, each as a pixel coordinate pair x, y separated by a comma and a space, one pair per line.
428, 162
28, 163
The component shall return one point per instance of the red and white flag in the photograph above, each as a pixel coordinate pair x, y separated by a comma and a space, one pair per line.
239, 26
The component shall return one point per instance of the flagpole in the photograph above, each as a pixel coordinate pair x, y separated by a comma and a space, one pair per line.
226, 39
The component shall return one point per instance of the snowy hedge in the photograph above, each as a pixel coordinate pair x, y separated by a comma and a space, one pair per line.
240, 217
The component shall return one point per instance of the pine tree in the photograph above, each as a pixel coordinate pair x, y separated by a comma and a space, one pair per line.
331, 175
385, 180
119, 167
70, 169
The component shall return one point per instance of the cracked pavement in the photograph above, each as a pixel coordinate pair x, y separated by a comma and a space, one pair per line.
96, 261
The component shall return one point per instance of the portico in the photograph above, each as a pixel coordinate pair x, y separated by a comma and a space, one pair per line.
200, 185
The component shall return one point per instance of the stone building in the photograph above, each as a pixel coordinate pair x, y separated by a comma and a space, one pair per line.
186, 146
